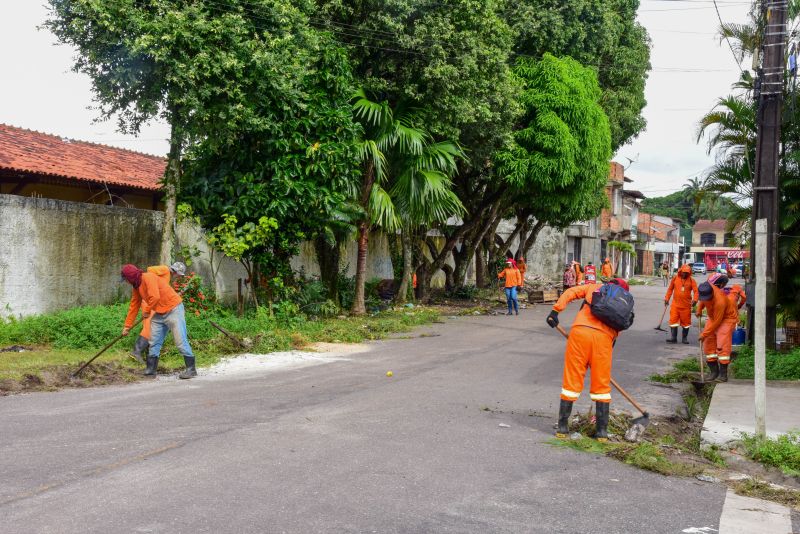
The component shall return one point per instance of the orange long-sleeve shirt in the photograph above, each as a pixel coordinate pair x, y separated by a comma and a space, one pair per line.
154, 293
720, 308
607, 271
737, 296
584, 317
684, 289
512, 276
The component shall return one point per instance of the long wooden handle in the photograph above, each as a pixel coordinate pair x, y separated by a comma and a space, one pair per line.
85, 365
613, 382
663, 314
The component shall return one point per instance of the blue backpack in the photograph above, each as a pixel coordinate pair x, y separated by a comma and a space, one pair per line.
613, 306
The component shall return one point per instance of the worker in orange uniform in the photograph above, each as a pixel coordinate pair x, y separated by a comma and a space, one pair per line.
513, 280
522, 266
607, 270
578, 273
166, 308
143, 341
683, 291
716, 337
589, 345
737, 295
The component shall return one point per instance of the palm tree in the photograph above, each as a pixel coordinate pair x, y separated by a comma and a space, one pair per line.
405, 178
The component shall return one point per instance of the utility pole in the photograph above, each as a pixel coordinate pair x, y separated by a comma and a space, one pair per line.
765, 188
759, 265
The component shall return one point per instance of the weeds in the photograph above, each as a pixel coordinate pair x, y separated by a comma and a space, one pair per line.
783, 452
780, 366
681, 371
762, 490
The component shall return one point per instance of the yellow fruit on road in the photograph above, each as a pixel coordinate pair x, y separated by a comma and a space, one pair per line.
389, 373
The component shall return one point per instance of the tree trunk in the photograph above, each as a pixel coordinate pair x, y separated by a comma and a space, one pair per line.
462, 260
449, 282
172, 178
328, 258
408, 268
359, 307
480, 266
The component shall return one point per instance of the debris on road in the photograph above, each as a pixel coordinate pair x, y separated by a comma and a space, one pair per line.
503, 425
706, 478
634, 433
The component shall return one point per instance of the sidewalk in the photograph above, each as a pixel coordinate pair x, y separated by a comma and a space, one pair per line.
732, 410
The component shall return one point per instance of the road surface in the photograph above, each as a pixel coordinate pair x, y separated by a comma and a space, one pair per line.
340, 447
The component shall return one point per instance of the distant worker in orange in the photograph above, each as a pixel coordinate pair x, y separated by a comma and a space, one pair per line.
717, 335
143, 341
683, 291
737, 295
578, 273
607, 271
513, 280
589, 345
166, 308
522, 266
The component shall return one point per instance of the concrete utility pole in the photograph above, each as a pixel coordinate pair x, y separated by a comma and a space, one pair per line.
760, 266
765, 190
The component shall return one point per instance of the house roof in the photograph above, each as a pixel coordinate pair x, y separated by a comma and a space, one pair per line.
706, 225
27, 151
633, 193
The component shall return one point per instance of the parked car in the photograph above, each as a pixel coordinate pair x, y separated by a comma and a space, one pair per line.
699, 267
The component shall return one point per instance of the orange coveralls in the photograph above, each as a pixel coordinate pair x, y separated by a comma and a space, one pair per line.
154, 294
578, 273
512, 276
522, 268
589, 344
737, 296
607, 271
717, 335
685, 291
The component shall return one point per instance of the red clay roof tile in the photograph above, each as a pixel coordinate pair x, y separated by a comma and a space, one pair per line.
24, 150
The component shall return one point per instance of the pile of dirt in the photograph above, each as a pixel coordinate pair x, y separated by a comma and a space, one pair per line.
539, 282
97, 374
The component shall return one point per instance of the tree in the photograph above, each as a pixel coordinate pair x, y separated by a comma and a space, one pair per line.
404, 177
601, 34
184, 62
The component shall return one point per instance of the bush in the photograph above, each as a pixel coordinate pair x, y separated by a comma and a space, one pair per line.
197, 298
89, 326
312, 298
783, 453
466, 292
780, 366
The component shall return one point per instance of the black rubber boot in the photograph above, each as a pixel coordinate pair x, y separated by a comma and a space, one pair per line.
685, 336
714, 366
673, 335
723, 373
152, 366
140, 347
601, 426
190, 371
564, 410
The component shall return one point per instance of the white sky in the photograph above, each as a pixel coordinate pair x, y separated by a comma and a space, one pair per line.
38, 91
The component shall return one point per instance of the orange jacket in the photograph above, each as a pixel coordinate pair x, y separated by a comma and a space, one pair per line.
522, 268
720, 308
578, 272
737, 296
584, 317
685, 290
607, 271
154, 293
512, 276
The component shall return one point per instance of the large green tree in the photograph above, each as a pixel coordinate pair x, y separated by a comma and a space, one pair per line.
191, 64
601, 34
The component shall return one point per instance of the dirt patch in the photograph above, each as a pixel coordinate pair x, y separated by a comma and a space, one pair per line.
55, 378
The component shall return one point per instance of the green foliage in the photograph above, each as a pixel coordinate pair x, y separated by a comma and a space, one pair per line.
689, 205
239, 242
621, 246
783, 452
680, 372
780, 366
558, 160
312, 299
601, 34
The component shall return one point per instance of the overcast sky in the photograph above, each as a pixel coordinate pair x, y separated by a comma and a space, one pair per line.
691, 69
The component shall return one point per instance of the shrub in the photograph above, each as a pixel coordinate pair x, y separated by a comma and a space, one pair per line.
197, 298
779, 366
783, 452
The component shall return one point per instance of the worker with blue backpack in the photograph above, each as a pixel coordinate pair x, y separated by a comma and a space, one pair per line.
606, 310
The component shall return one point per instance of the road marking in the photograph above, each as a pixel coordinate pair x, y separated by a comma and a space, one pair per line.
746, 515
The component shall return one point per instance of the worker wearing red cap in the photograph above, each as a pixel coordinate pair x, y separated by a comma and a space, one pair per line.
716, 337
683, 291
513, 280
589, 345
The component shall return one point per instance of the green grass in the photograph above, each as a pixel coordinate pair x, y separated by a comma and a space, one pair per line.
643, 455
780, 366
783, 452
681, 371
65, 339
762, 490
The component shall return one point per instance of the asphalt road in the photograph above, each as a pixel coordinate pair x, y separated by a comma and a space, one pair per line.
340, 447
